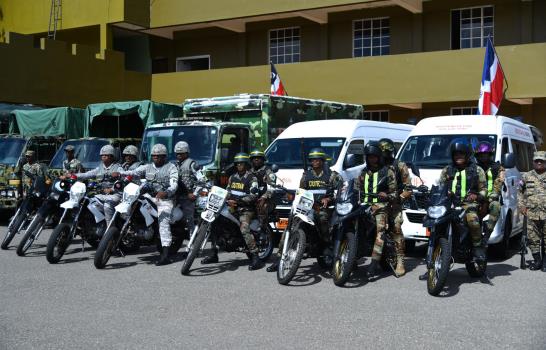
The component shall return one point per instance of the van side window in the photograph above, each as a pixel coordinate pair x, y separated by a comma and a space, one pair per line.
504, 147
356, 147
523, 154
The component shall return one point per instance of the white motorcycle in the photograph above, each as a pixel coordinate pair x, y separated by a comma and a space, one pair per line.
219, 221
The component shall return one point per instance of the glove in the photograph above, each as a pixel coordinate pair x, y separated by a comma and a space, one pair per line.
405, 195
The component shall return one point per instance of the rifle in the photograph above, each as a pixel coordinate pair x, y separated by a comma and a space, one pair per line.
523, 248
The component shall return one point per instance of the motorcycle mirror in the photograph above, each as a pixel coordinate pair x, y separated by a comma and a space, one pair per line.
274, 168
350, 161
414, 169
508, 160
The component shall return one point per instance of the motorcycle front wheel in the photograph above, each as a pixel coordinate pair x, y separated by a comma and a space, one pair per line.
31, 233
290, 262
14, 227
106, 247
343, 264
193, 250
441, 261
58, 242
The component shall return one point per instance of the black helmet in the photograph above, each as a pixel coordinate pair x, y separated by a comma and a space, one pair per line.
373, 148
317, 153
241, 158
256, 153
460, 146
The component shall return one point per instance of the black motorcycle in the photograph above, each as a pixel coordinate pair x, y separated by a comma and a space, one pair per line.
449, 240
49, 211
24, 214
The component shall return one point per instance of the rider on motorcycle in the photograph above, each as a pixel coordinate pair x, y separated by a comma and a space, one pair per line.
130, 157
467, 182
266, 178
377, 185
187, 168
494, 173
243, 187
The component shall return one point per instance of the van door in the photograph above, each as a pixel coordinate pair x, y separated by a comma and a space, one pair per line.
355, 147
510, 196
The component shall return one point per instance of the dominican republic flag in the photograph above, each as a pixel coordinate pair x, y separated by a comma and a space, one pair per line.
276, 84
491, 91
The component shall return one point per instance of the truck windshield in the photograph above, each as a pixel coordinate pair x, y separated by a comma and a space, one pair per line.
11, 150
433, 151
202, 140
286, 153
86, 151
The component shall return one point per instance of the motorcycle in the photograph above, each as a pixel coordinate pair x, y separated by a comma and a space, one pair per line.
135, 222
449, 240
49, 211
32, 201
219, 221
82, 215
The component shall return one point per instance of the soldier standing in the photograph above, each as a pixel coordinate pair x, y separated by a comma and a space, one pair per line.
187, 168
532, 203
32, 168
71, 164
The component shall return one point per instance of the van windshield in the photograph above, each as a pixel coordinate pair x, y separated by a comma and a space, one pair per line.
286, 153
432, 151
86, 151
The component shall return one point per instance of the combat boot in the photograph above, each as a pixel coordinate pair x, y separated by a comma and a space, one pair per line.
273, 267
479, 253
164, 257
255, 262
373, 269
211, 259
536, 264
400, 269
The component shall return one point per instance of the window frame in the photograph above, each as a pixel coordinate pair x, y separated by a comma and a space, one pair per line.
481, 26
378, 111
371, 37
269, 60
462, 108
359, 157
191, 58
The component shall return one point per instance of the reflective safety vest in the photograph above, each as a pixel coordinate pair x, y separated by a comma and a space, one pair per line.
370, 184
463, 181
491, 175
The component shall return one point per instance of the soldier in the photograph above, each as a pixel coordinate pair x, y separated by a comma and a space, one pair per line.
466, 181
130, 157
403, 186
71, 165
32, 168
321, 181
266, 178
494, 173
377, 185
163, 177
103, 175
532, 203
243, 187
187, 168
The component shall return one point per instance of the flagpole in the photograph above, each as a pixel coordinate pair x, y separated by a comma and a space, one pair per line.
500, 65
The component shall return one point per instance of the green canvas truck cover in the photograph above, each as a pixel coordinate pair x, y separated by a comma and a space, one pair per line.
62, 121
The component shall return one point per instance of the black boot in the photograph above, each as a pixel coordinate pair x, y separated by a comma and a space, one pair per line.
164, 257
274, 266
479, 253
373, 270
536, 264
255, 262
211, 259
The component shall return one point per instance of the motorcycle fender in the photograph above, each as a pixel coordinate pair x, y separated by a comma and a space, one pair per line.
123, 207
147, 216
225, 213
69, 205
305, 219
93, 208
176, 215
208, 216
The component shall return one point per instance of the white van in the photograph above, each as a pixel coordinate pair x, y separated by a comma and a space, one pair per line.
428, 148
337, 137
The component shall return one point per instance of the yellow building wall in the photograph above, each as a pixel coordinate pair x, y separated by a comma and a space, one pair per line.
58, 74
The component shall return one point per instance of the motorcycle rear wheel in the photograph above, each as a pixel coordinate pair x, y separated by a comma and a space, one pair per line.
289, 263
195, 248
266, 246
30, 234
441, 261
106, 247
343, 265
58, 242
13, 228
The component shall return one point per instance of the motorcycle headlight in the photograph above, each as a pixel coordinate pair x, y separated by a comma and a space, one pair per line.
344, 208
436, 211
215, 200
306, 204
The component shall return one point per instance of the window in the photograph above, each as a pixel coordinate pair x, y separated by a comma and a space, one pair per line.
504, 147
371, 37
184, 64
284, 45
464, 111
356, 147
470, 27
160, 65
524, 154
378, 116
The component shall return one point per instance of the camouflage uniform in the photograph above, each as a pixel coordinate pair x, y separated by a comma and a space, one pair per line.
474, 181
186, 185
35, 169
265, 178
532, 195
396, 219
368, 182
240, 187
494, 180
72, 166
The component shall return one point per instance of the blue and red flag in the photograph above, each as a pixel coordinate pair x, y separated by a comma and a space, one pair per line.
276, 84
491, 91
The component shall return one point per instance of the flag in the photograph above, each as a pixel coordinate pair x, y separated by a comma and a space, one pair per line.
491, 91
276, 84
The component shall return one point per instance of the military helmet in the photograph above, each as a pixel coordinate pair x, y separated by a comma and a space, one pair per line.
107, 150
373, 148
241, 158
256, 153
181, 147
460, 146
130, 150
317, 153
159, 150
386, 145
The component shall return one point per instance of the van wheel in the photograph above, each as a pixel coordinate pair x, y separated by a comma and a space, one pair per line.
501, 250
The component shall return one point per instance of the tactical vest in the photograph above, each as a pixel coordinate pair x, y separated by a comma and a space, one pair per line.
462, 182
491, 175
239, 186
104, 176
397, 175
370, 184
185, 174
133, 166
318, 185
261, 174
159, 177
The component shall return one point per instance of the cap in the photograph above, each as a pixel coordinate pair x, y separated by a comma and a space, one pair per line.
29, 153
69, 148
539, 155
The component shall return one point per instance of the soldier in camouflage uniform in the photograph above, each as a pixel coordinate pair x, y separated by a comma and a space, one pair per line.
32, 168
377, 186
71, 165
187, 168
266, 178
532, 203
130, 157
403, 184
467, 182
163, 177
321, 181
494, 173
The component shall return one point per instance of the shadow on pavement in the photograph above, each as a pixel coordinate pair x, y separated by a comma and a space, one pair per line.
214, 269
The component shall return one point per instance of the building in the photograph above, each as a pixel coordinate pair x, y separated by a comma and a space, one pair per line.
402, 59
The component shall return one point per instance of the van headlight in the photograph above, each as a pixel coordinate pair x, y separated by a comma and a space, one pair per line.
436, 212
344, 208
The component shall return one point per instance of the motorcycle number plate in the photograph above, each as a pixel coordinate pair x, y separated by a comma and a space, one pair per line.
209, 216
282, 224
